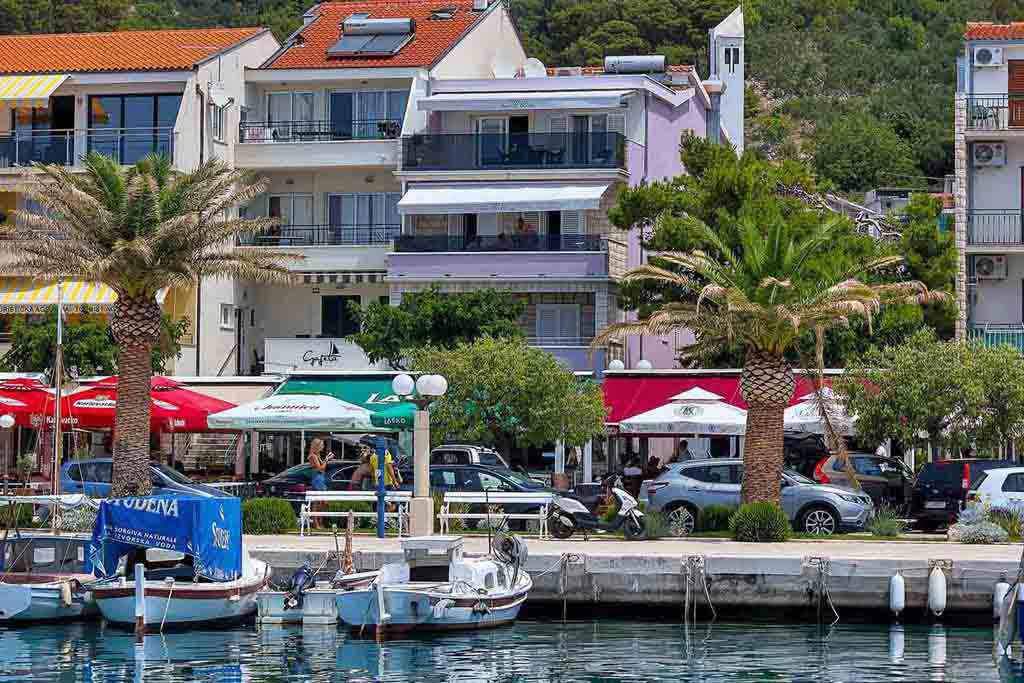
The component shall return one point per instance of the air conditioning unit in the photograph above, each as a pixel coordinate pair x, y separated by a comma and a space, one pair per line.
569, 71
990, 267
989, 154
986, 56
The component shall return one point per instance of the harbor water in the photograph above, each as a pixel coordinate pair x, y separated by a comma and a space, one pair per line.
529, 652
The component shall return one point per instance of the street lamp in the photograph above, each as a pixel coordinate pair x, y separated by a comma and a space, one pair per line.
428, 388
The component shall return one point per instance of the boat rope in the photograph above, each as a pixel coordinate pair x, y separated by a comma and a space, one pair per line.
694, 569
167, 605
563, 583
824, 567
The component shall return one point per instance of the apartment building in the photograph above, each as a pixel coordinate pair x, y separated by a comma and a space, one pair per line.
989, 188
127, 95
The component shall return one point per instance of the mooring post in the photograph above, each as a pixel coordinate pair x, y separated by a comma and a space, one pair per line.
140, 601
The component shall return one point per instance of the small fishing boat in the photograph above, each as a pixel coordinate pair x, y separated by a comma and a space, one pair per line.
435, 588
196, 570
43, 577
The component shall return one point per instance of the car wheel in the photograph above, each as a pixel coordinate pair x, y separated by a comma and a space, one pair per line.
682, 520
819, 521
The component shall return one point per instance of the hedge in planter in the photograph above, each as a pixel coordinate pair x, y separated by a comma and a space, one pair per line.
760, 523
267, 516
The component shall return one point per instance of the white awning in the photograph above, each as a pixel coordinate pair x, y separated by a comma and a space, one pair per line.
499, 198
515, 101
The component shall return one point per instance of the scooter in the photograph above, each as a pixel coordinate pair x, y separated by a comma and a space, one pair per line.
567, 515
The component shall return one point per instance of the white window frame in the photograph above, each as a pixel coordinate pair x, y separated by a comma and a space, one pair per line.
217, 122
227, 316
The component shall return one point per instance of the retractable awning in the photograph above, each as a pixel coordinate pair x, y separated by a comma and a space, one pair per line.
515, 101
29, 91
500, 198
20, 295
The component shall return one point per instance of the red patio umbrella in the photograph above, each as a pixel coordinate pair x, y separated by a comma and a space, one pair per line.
174, 408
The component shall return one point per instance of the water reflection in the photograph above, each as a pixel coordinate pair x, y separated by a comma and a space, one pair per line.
531, 652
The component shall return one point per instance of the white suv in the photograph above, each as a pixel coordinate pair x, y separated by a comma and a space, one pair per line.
999, 488
463, 454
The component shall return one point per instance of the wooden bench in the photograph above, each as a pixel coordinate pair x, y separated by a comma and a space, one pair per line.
541, 499
400, 499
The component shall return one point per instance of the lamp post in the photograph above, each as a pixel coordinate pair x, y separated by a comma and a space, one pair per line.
421, 392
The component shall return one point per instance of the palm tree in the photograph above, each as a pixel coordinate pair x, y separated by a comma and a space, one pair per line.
139, 230
764, 297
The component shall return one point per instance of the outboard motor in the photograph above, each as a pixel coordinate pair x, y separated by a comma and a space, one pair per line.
302, 580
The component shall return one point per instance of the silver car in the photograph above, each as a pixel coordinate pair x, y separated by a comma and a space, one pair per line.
687, 488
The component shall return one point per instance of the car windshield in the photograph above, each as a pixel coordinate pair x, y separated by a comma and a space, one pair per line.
174, 475
522, 479
798, 478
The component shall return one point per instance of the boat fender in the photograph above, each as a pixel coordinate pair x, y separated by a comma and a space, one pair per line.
66, 596
937, 592
481, 607
998, 596
897, 594
441, 608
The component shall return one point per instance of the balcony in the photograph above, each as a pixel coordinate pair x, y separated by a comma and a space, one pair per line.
65, 147
998, 334
572, 352
498, 243
525, 151
324, 236
318, 144
995, 112
999, 227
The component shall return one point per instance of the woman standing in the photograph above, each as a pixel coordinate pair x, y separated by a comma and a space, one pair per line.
319, 464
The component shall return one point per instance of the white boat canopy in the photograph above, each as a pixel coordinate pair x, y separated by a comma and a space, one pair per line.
805, 416
500, 198
517, 101
692, 412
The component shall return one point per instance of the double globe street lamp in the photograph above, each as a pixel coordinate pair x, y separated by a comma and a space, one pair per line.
421, 392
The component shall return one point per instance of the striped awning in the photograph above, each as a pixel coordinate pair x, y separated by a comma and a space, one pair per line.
29, 91
24, 295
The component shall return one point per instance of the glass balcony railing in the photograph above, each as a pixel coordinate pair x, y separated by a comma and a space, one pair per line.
994, 227
470, 152
324, 235
491, 243
319, 131
997, 334
62, 147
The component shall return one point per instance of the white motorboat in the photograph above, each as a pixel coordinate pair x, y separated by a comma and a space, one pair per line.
212, 579
436, 588
43, 577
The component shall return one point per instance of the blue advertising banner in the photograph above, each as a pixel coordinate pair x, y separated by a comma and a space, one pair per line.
207, 529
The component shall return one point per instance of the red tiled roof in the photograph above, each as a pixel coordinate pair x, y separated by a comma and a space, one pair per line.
984, 30
167, 50
431, 39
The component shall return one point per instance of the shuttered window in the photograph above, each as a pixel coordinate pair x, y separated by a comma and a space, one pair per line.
558, 320
572, 223
1016, 79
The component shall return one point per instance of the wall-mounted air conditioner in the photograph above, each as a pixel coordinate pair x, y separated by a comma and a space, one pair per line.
990, 267
986, 56
989, 154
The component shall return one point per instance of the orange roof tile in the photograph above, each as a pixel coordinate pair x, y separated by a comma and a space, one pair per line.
984, 30
166, 50
431, 39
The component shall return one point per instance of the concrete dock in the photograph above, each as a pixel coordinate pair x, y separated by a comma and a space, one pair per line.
738, 577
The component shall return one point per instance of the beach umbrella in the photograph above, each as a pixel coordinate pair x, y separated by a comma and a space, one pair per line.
174, 407
805, 416
695, 411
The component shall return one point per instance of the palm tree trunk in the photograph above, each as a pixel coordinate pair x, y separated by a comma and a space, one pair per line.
131, 424
767, 384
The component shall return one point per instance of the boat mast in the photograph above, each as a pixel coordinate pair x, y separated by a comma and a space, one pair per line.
58, 372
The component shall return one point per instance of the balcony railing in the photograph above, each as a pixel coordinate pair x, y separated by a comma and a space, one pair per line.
994, 227
491, 243
319, 131
995, 112
127, 145
324, 235
559, 341
998, 334
469, 152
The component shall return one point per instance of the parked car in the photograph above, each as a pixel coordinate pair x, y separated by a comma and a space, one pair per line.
462, 454
803, 452
687, 488
94, 477
293, 483
941, 489
887, 480
999, 488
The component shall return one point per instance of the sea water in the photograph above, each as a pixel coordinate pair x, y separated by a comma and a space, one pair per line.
529, 652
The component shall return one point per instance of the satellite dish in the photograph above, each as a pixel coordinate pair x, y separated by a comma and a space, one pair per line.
535, 68
219, 95
503, 69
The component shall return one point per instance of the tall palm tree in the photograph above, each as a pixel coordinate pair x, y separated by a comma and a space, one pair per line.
139, 230
764, 296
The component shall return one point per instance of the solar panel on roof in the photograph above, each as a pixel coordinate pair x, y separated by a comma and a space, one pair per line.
381, 44
387, 44
349, 45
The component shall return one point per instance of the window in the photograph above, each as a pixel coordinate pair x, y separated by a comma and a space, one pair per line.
217, 122
712, 474
227, 317
364, 217
98, 472
442, 479
558, 321
131, 127
1014, 483
295, 212
291, 115
489, 482
449, 457
367, 115
869, 467
337, 320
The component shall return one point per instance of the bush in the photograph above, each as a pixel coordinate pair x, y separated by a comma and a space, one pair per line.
982, 533
267, 516
656, 525
971, 515
24, 516
341, 507
1010, 519
715, 517
760, 523
886, 523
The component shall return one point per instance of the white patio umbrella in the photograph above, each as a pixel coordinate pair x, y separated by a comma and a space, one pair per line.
805, 416
692, 412
295, 412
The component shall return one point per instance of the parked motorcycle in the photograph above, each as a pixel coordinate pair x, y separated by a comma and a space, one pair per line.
567, 515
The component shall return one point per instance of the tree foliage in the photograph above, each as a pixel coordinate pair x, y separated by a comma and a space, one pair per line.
505, 393
858, 152
430, 318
